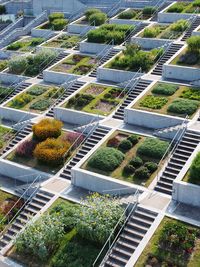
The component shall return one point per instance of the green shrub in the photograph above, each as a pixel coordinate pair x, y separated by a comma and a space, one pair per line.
142, 173
148, 10
133, 139
2, 9
191, 93
41, 104
136, 162
176, 8
179, 26
97, 19
165, 89
106, 159
4, 91
183, 106
129, 169
59, 24
55, 16
17, 65
153, 148
21, 100
151, 166
196, 3
194, 44
153, 102
194, 171
3, 64
80, 101
129, 14
151, 32
36, 90
37, 41
125, 145
15, 46
91, 11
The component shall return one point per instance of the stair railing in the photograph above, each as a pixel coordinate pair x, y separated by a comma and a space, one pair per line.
158, 7
114, 8
113, 236
127, 37
172, 146
76, 14
106, 49
22, 197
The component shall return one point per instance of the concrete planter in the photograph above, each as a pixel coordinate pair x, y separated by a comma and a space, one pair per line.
36, 32
124, 21
93, 48
74, 116
9, 78
15, 115
58, 77
150, 43
79, 28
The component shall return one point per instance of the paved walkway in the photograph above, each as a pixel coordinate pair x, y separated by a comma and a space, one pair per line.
57, 185
155, 200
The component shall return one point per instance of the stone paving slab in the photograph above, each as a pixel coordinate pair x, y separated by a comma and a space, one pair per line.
155, 200
57, 185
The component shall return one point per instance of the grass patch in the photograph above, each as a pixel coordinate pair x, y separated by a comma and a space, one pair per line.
25, 44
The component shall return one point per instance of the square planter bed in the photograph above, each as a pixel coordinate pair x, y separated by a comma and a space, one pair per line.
163, 249
157, 35
92, 101
5, 91
178, 10
127, 157
80, 26
160, 106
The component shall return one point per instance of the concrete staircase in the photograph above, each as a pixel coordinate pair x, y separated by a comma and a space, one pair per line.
69, 91
28, 212
88, 144
16, 91
137, 90
193, 26
166, 56
111, 53
181, 154
160, 8
133, 233
58, 58
18, 137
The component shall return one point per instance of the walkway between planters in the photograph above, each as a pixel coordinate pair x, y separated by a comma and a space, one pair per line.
155, 200
56, 185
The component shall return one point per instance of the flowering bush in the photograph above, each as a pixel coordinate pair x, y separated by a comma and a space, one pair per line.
73, 138
26, 148
47, 128
51, 151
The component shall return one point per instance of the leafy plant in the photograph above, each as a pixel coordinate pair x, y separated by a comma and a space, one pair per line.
151, 166
59, 24
195, 168
165, 89
191, 93
153, 102
36, 90
133, 138
20, 100
125, 145
41, 105
183, 106
55, 16
151, 32
179, 26
97, 18
129, 14
142, 173
26, 148
2, 9
148, 10
129, 169
176, 8
194, 44
17, 65
90, 12
113, 142
136, 162
15, 46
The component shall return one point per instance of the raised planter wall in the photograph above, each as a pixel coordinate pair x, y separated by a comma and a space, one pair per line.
15, 115
124, 21
150, 43
9, 78
93, 48
57, 77
172, 17
35, 32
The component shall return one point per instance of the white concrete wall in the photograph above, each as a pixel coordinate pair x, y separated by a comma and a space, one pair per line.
150, 43
15, 115
9, 78
57, 77
36, 32
171, 17
93, 48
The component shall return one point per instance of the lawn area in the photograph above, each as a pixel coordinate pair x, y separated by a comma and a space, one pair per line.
170, 99
133, 164
25, 45
5, 135
37, 98
158, 253
63, 41
96, 99
76, 64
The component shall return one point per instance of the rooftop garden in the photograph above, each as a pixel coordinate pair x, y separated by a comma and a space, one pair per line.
31, 65
133, 58
93, 17
37, 98
7, 201
76, 64
170, 99
137, 14
5, 135
128, 157
56, 22
48, 148
192, 176
25, 44
4, 92
160, 31
173, 244
109, 32
96, 99
3, 64
63, 41
76, 231
185, 7
191, 55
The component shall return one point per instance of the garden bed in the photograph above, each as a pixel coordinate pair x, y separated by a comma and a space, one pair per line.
25, 44
36, 99
48, 149
170, 99
63, 41
128, 157
5, 135
4, 92
173, 244
56, 22
136, 14
3, 64
184, 7
77, 64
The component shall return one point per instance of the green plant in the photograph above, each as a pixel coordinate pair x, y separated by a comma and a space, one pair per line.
129, 14
196, 3
129, 169
106, 159
125, 145
15, 46
80, 101
142, 173
59, 24
113, 142
2, 9
151, 166
17, 65
20, 101
151, 32
191, 93
194, 44
183, 106
136, 162
37, 41
55, 16
153, 102
179, 26
148, 10
97, 19
195, 168
133, 138
3, 64
36, 90
91, 11
41, 105
153, 148
165, 89
176, 8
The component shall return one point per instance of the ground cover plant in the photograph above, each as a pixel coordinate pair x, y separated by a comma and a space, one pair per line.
38, 98
172, 31
68, 232
4, 92
3, 64
184, 7
5, 135
191, 55
76, 64
109, 32
97, 99
192, 176
170, 99
31, 65
137, 14
48, 148
56, 22
25, 44
63, 41
133, 58
173, 244
93, 17
129, 157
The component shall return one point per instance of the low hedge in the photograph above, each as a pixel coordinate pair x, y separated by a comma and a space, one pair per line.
151, 166
183, 106
179, 26
125, 145
90, 12
128, 169
97, 19
59, 24
36, 90
136, 162
41, 105
191, 93
195, 168
106, 159
129, 14
176, 8
151, 32
55, 16
153, 148
148, 10
133, 139
165, 89
153, 102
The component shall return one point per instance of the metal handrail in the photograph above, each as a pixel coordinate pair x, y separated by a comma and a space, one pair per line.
114, 7
106, 49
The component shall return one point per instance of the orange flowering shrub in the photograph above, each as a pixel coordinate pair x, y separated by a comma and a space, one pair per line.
51, 151
47, 128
